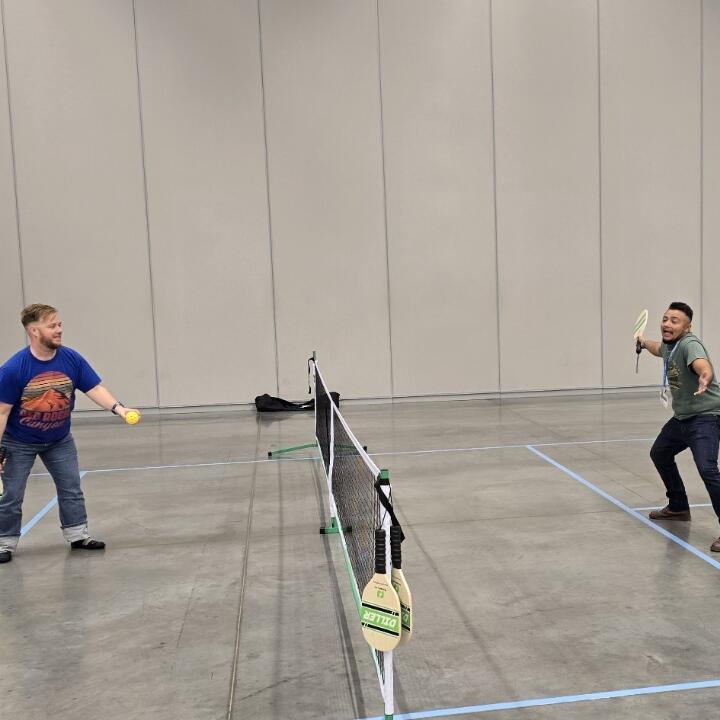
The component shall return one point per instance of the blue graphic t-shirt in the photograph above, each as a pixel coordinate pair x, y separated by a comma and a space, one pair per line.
42, 393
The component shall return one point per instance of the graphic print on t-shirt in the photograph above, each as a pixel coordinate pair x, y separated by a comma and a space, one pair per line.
673, 376
45, 402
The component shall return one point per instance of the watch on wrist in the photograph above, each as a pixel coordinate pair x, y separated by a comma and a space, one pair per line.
112, 409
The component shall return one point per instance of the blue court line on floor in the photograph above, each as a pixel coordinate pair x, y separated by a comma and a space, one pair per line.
627, 509
30, 525
27, 528
561, 700
380, 454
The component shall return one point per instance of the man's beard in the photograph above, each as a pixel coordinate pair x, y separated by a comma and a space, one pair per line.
50, 344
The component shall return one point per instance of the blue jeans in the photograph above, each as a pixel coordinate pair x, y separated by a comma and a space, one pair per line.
60, 459
701, 434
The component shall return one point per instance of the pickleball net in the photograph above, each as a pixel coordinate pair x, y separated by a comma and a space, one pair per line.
354, 483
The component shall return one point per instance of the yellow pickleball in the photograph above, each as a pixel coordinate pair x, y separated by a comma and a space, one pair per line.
132, 417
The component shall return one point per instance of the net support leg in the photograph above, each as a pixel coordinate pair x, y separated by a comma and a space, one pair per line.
283, 451
331, 529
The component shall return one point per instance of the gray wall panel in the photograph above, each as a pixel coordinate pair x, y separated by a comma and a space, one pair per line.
80, 191
437, 119
711, 179
546, 130
11, 301
573, 250
326, 192
650, 89
208, 212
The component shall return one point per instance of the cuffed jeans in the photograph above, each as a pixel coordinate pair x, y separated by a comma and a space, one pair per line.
60, 459
701, 434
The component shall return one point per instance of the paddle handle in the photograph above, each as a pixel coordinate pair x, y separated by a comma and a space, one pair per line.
638, 346
380, 566
395, 550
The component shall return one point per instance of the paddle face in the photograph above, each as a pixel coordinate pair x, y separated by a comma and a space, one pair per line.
380, 614
405, 597
639, 329
380, 609
640, 324
397, 578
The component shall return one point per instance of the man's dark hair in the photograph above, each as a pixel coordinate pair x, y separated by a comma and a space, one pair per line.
682, 307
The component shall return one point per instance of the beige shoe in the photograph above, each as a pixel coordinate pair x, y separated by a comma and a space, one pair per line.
715, 547
667, 514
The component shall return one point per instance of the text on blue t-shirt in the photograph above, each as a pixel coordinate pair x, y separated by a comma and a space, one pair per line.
42, 393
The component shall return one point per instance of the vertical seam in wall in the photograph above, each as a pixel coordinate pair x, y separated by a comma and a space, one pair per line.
702, 165
12, 154
495, 207
385, 203
600, 205
269, 206
147, 206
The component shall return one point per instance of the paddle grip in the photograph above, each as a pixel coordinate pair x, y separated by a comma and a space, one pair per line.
395, 550
638, 346
380, 552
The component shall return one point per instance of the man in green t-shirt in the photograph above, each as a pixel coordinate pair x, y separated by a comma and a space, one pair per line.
695, 424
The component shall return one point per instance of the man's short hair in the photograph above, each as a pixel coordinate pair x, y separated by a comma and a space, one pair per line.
36, 311
682, 307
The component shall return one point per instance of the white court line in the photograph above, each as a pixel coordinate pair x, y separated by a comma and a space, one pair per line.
188, 465
660, 507
380, 454
504, 447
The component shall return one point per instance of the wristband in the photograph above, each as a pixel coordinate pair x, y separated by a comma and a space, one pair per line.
112, 409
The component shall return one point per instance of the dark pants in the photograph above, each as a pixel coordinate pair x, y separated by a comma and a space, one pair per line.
701, 434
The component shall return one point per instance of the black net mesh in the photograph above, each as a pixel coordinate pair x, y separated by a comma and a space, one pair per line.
358, 509
323, 418
353, 487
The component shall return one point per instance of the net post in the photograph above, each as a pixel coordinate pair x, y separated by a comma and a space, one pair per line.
388, 684
332, 528
305, 446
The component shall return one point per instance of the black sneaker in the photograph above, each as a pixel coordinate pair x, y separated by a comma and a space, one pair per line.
88, 544
5, 556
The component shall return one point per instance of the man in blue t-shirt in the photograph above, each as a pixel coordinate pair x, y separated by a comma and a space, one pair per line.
37, 396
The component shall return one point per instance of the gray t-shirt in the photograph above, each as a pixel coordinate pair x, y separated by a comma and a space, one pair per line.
683, 382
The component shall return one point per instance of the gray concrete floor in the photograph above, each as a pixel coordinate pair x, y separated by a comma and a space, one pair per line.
527, 584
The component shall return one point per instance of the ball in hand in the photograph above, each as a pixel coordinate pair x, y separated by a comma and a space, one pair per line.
132, 417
